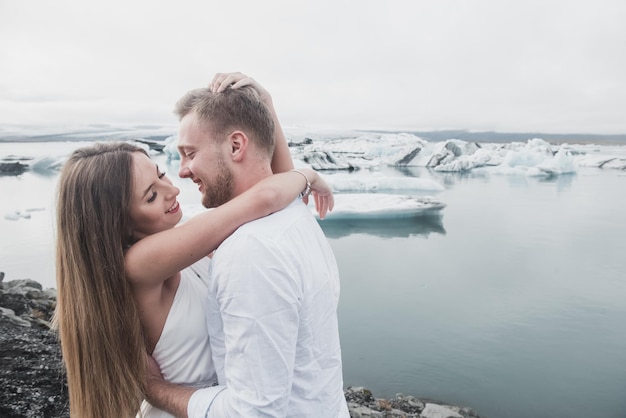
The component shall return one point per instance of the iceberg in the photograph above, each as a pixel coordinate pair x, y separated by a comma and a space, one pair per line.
377, 182
364, 151
536, 158
21, 214
368, 170
16, 215
380, 206
370, 152
354, 151
169, 148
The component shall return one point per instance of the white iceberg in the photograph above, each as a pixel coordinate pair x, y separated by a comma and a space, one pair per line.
380, 206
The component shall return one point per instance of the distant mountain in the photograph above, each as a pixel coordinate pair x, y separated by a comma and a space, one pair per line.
93, 132
520, 137
156, 133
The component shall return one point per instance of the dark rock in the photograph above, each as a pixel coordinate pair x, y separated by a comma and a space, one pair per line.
23, 283
12, 169
299, 142
31, 376
359, 395
15, 301
409, 157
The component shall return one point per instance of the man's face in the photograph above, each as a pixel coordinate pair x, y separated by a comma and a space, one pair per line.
203, 159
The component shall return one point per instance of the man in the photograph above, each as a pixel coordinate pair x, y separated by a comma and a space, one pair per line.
272, 313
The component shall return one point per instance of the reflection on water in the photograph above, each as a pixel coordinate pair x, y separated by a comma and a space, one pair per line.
385, 228
562, 182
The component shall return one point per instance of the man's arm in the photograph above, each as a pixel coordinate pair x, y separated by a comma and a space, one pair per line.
164, 395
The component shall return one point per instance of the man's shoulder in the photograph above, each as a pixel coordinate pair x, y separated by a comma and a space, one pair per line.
278, 227
294, 214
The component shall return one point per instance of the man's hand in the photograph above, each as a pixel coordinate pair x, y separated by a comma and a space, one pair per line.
164, 395
152, 368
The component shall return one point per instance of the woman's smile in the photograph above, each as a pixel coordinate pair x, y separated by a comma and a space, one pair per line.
175, 207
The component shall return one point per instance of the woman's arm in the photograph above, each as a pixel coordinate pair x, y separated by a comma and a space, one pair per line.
281, 160
157, 257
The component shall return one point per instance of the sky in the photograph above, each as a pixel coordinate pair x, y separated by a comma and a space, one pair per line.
554, 66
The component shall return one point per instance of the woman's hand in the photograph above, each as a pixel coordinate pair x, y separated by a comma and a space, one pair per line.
321, 191
221, 81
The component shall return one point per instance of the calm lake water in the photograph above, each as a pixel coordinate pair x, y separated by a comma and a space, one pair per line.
512, 301
514, 304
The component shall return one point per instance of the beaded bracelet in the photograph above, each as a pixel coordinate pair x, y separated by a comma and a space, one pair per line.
307, 189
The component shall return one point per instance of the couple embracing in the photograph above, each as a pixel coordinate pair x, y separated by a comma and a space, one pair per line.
150, 325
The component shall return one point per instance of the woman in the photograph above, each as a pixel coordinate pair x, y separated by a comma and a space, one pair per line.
117, 212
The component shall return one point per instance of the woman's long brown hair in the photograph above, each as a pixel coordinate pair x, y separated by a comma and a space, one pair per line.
101, 338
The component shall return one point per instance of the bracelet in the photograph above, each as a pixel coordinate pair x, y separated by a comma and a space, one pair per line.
307, 189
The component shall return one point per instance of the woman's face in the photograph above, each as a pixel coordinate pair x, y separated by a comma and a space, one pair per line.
154, 207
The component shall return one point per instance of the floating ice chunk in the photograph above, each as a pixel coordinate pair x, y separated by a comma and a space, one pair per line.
327, 160
618, 163
12, 216
363, 206
536, 158
525, 158
371, 151
539, 145
590, 160
376, 182
21, 214
16, 215
365, 151
170, 149
445, 152
380, 206
463, 163
47, 165
560, 163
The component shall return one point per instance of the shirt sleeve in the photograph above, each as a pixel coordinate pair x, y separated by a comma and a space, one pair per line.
259, 297
201, 400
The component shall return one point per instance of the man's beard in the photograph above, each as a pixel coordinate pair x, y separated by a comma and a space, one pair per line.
220, 190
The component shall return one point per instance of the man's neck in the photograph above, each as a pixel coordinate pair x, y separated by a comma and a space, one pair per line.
249, 177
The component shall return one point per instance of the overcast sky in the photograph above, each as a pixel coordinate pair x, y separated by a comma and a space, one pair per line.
508, 66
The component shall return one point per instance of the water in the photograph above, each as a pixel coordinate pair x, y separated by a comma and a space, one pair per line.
26, 245
515, 306
513, 301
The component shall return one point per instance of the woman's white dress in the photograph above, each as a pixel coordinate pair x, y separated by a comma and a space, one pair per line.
183, 351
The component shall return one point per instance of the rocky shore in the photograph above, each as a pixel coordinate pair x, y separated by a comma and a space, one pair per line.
31, 373
33, 381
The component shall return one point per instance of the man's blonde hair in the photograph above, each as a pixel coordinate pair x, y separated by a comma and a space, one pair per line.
232, 109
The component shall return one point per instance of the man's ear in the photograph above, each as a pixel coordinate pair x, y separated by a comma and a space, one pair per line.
238, 142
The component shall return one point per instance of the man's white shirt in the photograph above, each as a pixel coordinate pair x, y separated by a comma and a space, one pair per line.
272, 321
